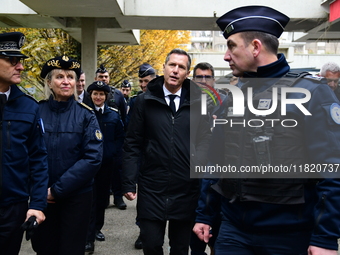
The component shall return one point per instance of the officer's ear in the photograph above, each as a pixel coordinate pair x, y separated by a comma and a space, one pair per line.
188, 73
257, 47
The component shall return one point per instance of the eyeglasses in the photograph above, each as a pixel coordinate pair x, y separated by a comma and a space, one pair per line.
13, 60
336, 81
201, 77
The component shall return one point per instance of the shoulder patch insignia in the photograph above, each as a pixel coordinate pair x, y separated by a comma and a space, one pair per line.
314, 78
98, 134
86, 106
335, 112
264, 104
113, 109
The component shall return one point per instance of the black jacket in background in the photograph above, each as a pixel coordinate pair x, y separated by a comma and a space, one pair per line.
87, 99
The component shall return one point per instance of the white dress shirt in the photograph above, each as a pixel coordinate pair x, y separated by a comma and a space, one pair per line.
81, 97
176, 100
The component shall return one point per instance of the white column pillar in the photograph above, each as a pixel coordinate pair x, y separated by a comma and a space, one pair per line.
89, 48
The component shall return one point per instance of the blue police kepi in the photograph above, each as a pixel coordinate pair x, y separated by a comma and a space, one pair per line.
271, 213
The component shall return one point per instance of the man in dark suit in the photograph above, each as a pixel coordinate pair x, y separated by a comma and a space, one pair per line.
160, 130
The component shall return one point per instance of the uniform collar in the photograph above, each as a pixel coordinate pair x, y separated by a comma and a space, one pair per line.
276, 69
61, 106
97, 108
7, 93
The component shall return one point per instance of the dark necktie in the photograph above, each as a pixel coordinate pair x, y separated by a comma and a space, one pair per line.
3, 100
172, 103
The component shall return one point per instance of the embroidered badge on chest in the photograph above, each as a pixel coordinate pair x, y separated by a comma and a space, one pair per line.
335, 112
98, 135
264, 104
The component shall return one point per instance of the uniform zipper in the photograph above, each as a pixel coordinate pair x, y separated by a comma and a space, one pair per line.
170, 168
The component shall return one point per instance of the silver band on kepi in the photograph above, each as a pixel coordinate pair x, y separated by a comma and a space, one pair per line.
145, 71
11, 43
250, 17
253, 18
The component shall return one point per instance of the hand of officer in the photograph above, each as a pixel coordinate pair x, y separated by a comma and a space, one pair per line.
130, 195
33, 219
202, 231
314, 250
40, 216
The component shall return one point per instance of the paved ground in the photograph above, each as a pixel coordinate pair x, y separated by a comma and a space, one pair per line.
119, 229
120, 232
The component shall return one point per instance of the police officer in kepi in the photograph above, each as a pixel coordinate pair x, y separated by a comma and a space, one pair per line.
23, 154
125, 88
285, 213
75, 150
113, 133
146, 73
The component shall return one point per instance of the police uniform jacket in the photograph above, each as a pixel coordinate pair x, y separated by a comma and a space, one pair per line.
167, 145
23, 153
74, 144
321, 135
113, 132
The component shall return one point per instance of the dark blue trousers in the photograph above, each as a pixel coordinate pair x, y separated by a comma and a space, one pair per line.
234, 241
65, 228
11, 219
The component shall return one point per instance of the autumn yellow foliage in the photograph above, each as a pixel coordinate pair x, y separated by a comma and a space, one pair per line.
123, 61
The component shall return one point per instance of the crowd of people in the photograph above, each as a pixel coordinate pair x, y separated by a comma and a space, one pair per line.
62, 157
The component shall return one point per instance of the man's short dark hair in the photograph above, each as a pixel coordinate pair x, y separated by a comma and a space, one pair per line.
180, 52
204, 66
269, 41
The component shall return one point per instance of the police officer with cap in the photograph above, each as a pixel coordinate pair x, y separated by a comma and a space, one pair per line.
125, 87
115, 99
146, 73
23, 167
113, 133
287, 213
75, 149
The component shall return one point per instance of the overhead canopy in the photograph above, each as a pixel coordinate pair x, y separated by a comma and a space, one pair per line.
93, 22
118, 20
